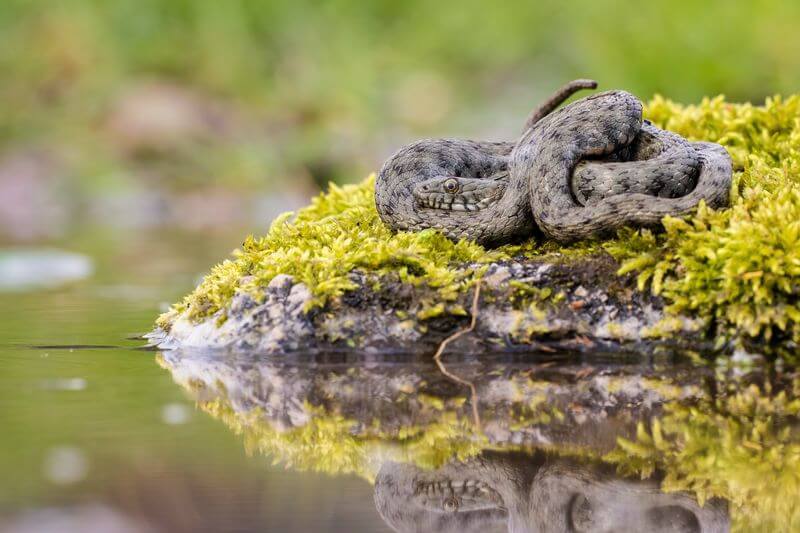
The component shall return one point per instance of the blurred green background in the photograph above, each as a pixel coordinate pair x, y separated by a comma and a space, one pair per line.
202, 112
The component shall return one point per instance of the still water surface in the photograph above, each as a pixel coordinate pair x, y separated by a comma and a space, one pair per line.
95, 435
99, 434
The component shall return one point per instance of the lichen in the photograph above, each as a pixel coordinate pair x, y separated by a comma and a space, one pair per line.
735, 269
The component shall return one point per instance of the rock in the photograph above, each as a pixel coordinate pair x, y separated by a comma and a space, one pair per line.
524, 303
373, 289
278, 324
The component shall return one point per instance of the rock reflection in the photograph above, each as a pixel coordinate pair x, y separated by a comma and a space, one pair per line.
522, 404
566, 446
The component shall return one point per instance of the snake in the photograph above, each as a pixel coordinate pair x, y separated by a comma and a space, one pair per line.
577, 172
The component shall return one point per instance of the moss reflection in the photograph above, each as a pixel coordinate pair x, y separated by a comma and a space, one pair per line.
691, 435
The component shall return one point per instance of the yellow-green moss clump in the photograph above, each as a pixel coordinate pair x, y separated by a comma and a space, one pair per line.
338, 233
738, 268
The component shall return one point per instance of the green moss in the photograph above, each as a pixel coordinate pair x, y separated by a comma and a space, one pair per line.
737, 268
323, 243
615, 330
524, 293
668, 327
332, 444
434, 310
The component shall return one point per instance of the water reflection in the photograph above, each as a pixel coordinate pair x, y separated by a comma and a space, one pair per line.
523, 492
541, 464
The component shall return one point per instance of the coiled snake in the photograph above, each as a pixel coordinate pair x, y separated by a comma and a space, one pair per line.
579, 172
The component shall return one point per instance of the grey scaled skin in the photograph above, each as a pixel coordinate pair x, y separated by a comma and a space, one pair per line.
580, 172
596, 127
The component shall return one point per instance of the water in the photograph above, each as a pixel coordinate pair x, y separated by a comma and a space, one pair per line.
99, 434
95, 432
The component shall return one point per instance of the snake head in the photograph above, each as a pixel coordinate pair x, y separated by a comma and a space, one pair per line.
459, 194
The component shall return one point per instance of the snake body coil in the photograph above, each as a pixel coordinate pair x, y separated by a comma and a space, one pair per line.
582, 171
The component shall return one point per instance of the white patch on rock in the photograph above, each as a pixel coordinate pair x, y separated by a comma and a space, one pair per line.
280, 323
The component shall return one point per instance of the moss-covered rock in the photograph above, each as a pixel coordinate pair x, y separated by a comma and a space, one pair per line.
348, 281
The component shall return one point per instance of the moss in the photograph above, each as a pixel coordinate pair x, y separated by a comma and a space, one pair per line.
320, 245
524, 294
668, 327
615, 330
529, 323
433, 310
737, 268
332, 444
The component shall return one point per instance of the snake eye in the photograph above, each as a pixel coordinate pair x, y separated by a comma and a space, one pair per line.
451, 504
451, 185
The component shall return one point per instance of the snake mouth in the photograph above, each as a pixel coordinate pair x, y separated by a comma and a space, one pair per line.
451, 202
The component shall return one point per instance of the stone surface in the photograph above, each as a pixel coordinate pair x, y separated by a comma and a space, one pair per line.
575, 303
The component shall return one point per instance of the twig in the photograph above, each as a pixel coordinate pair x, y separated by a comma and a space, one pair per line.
437, 357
